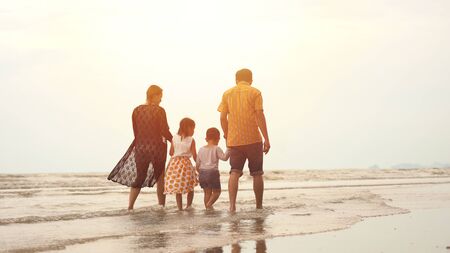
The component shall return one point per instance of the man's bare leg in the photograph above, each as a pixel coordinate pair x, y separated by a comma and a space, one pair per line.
160, 191
134, 193
258, 189
233, 185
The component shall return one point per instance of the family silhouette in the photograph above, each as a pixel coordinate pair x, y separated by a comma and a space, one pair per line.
244, 128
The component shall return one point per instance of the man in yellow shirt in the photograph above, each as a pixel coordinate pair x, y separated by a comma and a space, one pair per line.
242, 118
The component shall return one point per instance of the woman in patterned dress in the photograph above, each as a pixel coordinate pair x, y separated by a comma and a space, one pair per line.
144, 162
181, 176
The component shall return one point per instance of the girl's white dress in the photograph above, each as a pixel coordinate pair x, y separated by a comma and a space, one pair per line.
181, 176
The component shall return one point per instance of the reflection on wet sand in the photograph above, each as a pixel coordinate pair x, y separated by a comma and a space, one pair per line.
256, 227
151, 239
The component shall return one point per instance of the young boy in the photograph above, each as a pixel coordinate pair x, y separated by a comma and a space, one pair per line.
208, 167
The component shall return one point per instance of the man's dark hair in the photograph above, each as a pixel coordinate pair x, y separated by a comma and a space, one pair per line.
244, 75
213, 134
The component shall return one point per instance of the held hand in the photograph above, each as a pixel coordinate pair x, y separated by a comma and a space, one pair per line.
266, 147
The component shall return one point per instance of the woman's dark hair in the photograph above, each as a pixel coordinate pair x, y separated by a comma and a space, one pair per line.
213, 134
152, 91
184, 125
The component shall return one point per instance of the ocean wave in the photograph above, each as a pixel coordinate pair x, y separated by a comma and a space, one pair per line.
75, 180
62, 244
73, 216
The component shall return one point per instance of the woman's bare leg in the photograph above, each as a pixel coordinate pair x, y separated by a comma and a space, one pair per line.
207, 193
134, 192
214, 196
160, 191
179, 201
190, 198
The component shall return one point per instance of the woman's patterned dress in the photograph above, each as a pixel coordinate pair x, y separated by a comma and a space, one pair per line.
145, 160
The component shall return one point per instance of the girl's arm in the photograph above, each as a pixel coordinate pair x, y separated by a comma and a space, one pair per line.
198, 163
223, 156
171, 151
193, 150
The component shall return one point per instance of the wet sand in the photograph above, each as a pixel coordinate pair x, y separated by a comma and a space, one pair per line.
416, 232
84, 212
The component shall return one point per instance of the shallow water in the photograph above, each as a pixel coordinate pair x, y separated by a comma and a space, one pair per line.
40, 212
416, 232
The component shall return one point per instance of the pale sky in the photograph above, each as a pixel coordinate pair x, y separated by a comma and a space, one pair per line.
346, 84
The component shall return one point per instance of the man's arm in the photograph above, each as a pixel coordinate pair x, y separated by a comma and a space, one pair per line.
261, 120
224, 123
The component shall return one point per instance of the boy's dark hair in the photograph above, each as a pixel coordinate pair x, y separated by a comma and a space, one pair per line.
184, 125
213, 134
244, 75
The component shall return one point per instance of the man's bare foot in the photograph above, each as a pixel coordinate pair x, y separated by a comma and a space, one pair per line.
130, 210
187, 208
232, 209
209, 208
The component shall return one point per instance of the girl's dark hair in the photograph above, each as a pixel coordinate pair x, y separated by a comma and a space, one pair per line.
213, 134
184, 125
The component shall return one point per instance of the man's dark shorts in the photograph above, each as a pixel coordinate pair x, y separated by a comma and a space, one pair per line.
253, 153
209, 179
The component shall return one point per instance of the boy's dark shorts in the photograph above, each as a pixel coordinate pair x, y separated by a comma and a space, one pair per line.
253, 153
209, 179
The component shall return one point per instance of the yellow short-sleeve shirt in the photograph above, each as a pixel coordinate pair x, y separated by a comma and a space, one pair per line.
241, 103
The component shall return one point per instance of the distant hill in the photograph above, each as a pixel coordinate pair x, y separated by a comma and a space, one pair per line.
416, 166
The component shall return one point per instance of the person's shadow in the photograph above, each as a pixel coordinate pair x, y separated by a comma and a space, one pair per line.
260, 247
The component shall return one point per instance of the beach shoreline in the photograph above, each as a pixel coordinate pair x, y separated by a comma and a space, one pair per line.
75, 213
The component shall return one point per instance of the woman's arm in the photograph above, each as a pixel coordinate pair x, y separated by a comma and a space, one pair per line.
133, 119
193, 150
165, 126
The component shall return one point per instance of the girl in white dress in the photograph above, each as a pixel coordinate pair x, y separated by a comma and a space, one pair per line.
181, 175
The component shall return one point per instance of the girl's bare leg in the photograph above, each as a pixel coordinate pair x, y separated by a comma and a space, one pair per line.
207, 196
134, 192
179, 201
160, 191
214, 196
190, 198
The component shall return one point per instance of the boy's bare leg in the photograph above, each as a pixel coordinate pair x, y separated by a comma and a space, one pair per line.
207, 196
258, 189
134, 193
233, 185
190, 198
179, 201
160, 191
214, 196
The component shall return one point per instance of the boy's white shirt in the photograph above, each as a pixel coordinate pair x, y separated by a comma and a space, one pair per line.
208, 157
